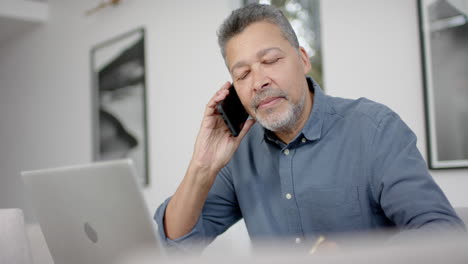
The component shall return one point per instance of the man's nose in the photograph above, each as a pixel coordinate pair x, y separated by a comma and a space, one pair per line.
261, 80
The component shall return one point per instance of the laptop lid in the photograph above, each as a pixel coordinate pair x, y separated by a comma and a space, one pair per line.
91, 213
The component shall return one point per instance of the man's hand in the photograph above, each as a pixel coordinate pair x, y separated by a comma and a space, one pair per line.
215, 145
213, 149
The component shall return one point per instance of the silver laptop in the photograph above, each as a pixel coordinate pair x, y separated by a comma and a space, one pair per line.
92, 213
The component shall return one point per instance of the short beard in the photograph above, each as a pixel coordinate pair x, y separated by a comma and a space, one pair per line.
280, 122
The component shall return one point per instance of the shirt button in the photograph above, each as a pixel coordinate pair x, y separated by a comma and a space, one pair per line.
298, 240
288, 196
303, 140
286, 152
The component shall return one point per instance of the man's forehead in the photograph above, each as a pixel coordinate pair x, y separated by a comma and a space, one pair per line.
256, 31
258, 36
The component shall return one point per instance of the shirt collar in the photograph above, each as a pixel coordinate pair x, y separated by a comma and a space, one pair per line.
312, 130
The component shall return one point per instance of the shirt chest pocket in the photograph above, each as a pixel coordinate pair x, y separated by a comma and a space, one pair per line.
330, 209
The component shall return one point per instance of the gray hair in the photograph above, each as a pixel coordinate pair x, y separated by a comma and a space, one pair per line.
251, 13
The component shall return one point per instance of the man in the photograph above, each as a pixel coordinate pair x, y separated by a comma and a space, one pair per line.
312, 164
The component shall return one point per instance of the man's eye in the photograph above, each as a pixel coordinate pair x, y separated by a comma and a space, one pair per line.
271, 61
243, 75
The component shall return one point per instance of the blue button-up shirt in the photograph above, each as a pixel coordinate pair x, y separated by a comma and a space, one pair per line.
353, 167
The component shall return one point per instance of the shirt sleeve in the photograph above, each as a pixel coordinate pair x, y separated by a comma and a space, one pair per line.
220, 211
403, 187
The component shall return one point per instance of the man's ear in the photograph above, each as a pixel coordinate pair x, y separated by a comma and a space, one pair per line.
305, 60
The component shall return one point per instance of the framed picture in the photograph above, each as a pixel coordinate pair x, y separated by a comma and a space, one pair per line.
444, 45
304, 16
119, 96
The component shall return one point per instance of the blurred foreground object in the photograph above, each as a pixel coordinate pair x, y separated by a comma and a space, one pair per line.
14, 244
418, 248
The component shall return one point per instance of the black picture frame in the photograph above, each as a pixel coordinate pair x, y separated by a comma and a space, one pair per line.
119, 114
444, 51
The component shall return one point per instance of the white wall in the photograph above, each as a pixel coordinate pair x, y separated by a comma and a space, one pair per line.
45, 88
371, 49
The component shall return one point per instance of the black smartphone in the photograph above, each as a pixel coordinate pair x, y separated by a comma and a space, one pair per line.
233, 112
